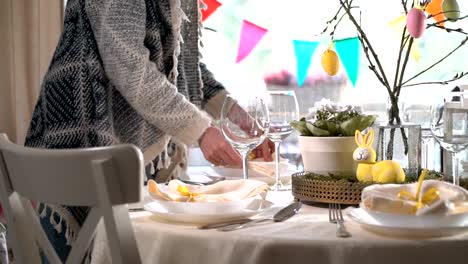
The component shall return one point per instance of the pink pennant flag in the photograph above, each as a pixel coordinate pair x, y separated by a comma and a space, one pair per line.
251, 34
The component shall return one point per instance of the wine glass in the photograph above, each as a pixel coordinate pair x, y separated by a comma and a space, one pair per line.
283, 109
245, 125
449, 125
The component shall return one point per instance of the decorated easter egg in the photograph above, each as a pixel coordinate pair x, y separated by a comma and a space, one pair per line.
330, 62
416, 22
451, 10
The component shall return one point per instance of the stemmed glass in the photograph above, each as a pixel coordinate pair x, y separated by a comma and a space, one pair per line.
449, 125
245, 125
283, 109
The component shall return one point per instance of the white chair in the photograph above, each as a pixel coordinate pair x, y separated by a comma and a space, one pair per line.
104, 178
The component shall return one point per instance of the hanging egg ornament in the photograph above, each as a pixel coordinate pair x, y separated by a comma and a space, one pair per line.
330, 62
451, 10
416, 22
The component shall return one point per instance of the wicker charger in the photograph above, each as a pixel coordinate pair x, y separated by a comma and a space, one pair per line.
326, 191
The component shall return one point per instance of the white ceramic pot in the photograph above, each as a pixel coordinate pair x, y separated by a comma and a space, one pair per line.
325, 155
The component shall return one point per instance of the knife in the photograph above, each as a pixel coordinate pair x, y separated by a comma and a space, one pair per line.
282, 215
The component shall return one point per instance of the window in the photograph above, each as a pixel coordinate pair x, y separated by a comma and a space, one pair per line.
304, 20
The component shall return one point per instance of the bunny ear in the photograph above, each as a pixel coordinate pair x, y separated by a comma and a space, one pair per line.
369, 138
358, 138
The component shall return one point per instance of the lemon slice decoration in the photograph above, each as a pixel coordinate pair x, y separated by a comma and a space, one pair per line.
427, 198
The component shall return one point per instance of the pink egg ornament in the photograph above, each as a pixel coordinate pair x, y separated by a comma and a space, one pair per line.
416, 22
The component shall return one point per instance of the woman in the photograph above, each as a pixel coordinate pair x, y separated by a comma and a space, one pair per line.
122, 74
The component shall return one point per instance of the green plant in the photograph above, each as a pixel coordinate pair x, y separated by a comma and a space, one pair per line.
332, 120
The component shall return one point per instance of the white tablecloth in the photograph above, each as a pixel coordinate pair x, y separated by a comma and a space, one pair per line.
305, 238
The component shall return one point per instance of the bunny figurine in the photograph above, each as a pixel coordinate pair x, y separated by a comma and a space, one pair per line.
368, 170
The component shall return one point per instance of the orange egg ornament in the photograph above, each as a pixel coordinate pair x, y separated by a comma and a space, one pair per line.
330, 62
416, 22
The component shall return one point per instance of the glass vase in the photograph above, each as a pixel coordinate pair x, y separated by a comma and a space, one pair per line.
401, 143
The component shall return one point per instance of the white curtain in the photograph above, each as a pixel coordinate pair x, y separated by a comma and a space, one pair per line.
29, 32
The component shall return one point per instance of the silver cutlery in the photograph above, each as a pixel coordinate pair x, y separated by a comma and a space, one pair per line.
213, 180
282, 215
336, 216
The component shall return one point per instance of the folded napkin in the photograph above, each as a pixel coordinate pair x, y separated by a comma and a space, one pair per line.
435, 197
267, 168
229, 190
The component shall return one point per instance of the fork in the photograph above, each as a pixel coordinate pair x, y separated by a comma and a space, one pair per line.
336, 216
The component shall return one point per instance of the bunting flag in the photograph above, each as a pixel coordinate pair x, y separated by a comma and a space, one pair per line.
250, 35
397, 26
348, 51
303, 51
211, 6
435, 8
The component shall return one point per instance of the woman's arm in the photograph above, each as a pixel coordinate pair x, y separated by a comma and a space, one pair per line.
119, 29
213, 93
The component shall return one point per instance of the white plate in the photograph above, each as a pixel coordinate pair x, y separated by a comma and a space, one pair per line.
223, 211
410, 225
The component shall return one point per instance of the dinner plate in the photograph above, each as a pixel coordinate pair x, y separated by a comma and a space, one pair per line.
210, 212
410, 225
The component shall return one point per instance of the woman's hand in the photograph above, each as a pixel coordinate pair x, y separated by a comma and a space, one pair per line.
265, 150
217, 150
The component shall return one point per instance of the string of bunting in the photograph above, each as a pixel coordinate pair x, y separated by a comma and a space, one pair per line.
343, 52
251, 34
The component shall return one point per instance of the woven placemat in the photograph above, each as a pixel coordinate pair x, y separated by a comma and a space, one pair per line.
326, 191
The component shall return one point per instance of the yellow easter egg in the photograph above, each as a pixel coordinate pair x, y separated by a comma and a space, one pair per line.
330, 62
451, 10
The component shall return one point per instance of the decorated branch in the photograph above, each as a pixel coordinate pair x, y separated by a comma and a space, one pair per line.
417, 13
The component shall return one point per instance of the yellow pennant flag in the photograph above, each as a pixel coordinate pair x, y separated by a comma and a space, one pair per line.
397, 26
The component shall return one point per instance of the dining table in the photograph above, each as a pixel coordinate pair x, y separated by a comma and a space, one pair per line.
307, 237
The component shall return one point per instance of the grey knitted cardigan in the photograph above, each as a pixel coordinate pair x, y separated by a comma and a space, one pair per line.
119, 75
125, 72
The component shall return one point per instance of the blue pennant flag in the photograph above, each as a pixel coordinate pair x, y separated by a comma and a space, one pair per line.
304, 50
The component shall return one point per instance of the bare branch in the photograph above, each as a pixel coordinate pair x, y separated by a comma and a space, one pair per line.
437, 62
405, 62
402, 45
457, 77
458, 30
403, 3
364, 39
331, 20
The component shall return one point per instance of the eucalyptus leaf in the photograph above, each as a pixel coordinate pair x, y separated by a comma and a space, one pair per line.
317, 132
360, 123
301, 127
331, 120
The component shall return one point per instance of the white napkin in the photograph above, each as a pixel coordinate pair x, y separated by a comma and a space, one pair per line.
229, 190
384, 198
268, 168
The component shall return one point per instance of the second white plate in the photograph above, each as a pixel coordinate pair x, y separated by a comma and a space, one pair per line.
408, 225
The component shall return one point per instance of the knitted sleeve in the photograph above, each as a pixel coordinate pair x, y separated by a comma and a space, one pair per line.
119, 29
213, 93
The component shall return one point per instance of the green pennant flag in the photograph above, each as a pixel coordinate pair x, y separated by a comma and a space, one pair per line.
348, 51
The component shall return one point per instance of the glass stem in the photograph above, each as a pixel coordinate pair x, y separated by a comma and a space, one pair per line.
456, 179
277, 157
245, 168
425, 154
